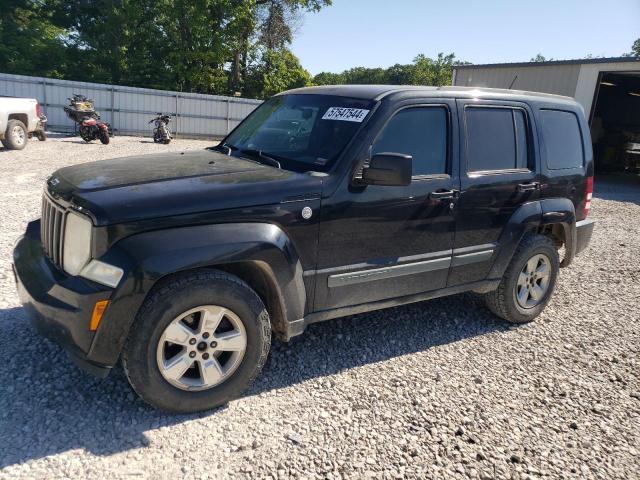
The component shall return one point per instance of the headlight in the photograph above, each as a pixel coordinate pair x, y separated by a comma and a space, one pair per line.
76, 251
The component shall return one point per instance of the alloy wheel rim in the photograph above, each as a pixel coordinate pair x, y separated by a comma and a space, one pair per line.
201, 348
533, 281
18, 135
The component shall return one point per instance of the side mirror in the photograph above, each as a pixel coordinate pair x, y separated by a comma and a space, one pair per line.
388, 169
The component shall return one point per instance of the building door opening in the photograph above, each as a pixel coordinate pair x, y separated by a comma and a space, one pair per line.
615, 123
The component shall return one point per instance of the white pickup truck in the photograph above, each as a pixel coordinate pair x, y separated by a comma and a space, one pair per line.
20, 119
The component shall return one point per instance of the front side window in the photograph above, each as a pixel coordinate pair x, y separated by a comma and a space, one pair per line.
420, 132
497, 139
562, 139
303, 132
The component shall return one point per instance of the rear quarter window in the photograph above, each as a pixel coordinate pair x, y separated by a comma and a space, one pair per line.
562, 139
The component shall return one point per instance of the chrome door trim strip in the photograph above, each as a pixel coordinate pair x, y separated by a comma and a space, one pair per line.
381, 263
362, 276
395, 268
475, 257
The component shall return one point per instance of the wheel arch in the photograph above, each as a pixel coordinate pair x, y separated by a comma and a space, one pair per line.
260, 254
22, 117
553, 217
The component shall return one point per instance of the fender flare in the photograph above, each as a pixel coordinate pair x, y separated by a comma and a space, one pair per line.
149, 257
562, 212
529, 217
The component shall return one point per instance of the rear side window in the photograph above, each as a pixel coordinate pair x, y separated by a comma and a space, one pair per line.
562, 139
420, 132
497, 139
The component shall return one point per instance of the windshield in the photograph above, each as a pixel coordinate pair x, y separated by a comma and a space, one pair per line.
302, 132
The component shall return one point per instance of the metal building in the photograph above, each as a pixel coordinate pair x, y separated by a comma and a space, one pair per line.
607, 88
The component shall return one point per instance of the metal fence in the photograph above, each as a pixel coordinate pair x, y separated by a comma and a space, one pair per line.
129, 109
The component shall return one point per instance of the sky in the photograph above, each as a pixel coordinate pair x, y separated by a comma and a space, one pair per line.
378, 33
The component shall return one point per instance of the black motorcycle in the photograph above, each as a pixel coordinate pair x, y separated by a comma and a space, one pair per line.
81, 111
161, 132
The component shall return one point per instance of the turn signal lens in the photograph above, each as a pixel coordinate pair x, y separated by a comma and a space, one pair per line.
96, 316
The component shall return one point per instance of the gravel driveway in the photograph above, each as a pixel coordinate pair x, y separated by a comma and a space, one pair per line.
431, 390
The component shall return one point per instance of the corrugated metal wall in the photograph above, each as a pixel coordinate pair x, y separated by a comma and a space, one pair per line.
129, 109
558, 79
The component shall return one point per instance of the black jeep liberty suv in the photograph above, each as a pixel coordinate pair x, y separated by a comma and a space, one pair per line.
324, 202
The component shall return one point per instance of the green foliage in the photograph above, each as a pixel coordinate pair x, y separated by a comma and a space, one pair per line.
540, 58
206, 46
29, 40
423, 71
635, 50
278, 70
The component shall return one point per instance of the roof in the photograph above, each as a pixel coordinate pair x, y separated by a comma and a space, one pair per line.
580, 61
366, 92
377, 92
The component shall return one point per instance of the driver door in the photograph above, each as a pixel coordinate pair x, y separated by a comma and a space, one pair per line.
382, 242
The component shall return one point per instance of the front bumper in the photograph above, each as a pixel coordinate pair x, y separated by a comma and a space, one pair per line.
58, 305
584, 230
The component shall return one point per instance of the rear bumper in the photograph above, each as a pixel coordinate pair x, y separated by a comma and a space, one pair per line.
59, 306
584, 230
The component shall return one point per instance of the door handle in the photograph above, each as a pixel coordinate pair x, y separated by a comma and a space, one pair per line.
528, 187
443, 195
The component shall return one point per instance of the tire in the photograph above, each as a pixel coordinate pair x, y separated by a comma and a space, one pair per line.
143, 352
15, 137
41, 135
506, 302
103, 135
86, 135
166, 141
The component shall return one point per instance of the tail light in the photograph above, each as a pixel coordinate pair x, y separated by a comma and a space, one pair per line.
588, 194
38, 110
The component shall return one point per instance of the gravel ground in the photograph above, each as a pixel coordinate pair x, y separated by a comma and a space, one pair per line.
439, 389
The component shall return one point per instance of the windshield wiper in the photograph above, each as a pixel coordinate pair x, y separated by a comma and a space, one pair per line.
258, 154
227, 148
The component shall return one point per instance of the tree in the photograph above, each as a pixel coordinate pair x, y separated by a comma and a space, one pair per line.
277, 70
206, 46
540, 58
328, 78
635, 50
30, 41
436, 72
423, 71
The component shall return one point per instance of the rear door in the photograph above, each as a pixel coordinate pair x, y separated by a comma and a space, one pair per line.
497, 175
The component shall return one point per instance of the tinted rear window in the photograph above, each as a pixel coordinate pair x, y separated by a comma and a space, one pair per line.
496, 138
562, 139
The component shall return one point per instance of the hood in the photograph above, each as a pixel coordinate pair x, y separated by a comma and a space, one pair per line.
152, 186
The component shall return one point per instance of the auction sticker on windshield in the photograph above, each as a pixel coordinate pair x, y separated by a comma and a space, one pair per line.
345, 114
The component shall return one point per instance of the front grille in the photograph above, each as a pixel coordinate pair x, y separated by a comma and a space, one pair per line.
51, 230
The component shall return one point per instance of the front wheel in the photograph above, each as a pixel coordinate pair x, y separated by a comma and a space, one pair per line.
86, 134
528, 282
197, 342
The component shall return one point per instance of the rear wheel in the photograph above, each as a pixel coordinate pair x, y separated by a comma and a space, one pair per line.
15, 136
104, 136
528, 282
197, 342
